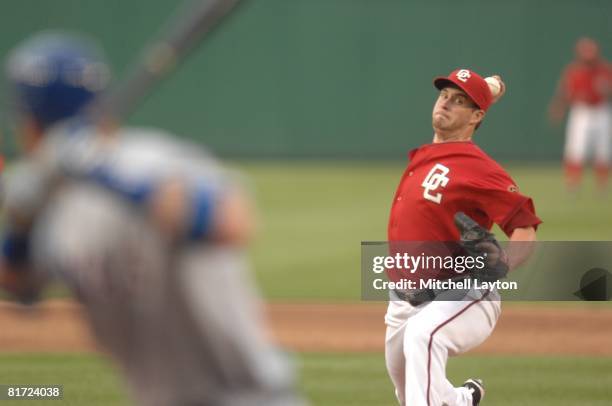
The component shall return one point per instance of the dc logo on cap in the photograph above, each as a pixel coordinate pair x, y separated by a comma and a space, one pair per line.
463, 75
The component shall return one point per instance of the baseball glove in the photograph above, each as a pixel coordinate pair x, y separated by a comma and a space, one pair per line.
476, 241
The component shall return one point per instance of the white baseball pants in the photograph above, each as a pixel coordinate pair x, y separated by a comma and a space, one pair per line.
589, 128
420, 339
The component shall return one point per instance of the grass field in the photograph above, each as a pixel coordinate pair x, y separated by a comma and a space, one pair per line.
343, 379
510, 381
315, 214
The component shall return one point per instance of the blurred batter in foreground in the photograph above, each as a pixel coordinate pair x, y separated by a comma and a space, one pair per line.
585, 87
146, 230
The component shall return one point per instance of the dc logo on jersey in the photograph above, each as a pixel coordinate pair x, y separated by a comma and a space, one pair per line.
436, 178
463, 75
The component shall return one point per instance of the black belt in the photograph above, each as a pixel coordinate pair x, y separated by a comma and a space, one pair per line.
418, 297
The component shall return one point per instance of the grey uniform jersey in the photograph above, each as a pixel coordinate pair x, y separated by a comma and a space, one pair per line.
181, 318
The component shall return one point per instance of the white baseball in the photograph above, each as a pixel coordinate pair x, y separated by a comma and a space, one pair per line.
494, 85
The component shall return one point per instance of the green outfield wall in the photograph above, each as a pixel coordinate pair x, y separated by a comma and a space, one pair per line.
341, 78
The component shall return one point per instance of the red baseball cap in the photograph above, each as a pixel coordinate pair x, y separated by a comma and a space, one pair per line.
471, 83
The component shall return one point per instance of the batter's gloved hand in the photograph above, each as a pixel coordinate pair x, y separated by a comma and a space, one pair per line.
478, 242
21, 284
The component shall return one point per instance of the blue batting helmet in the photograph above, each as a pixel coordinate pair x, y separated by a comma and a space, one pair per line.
53, 75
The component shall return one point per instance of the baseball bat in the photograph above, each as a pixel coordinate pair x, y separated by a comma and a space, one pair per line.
181, 34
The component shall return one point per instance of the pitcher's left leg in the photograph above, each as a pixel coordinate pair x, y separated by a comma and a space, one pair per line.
440, 330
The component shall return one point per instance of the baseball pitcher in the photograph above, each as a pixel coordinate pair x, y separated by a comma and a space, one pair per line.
452, 191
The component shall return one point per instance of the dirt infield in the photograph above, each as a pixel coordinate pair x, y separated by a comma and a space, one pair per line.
58, 325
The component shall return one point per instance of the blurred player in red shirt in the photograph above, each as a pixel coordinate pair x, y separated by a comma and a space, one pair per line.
585, 87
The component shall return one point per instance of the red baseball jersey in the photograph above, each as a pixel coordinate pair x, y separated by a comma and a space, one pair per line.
442, 179
587, 84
